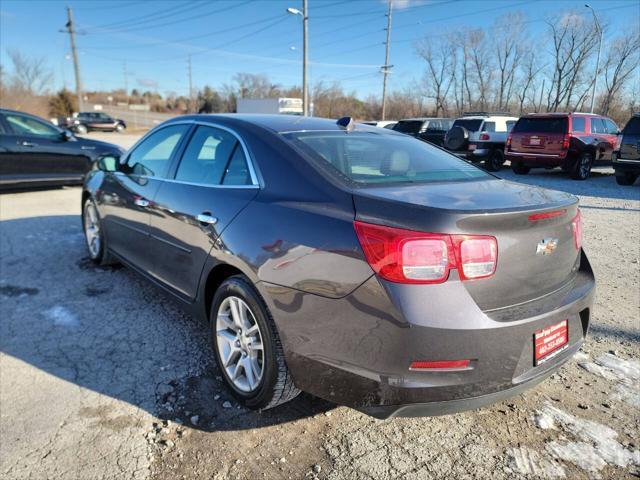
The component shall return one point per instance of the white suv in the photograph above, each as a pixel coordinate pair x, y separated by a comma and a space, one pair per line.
480, 136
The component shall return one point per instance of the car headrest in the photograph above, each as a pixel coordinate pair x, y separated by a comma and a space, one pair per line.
399, 162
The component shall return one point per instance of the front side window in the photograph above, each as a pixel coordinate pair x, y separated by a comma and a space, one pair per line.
152, 156
612, 128
23, 125
369, 159
207, 156
408, 126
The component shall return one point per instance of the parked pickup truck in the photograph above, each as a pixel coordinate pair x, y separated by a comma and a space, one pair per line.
480, 137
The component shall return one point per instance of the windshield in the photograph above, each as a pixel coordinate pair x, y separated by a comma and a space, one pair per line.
470, 125
541, 125
369, 158
408, 126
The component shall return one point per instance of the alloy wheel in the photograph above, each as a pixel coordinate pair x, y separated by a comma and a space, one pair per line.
92, 229
239, 342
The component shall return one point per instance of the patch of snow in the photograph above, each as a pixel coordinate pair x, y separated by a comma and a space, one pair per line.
581, 454
580, 356
621, 367
628, 393
525, 461
598, 370
544, 421
601, 439
61, 316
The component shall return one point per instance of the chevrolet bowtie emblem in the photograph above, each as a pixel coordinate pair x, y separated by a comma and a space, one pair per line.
546, 246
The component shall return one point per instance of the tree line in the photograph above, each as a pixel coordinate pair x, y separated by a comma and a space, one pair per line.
504, 67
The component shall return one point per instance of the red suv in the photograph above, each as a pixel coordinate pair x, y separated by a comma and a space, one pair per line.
573, 141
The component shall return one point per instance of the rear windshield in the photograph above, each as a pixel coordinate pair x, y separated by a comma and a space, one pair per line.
369, 158
541, 125
470, 125
633, 127
408, 126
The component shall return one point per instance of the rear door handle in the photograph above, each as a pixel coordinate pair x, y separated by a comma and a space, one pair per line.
206, 218
24, 143
141, 202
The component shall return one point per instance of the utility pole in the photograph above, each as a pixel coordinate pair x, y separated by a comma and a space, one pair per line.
386, 67
74, 52
305, 58
595, 78
190, 87
126, 80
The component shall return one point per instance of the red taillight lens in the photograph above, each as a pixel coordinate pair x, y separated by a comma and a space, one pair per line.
618, 142
441, 365
478, 257
577, 229
484, 136
566, 141
407, 256
509, 138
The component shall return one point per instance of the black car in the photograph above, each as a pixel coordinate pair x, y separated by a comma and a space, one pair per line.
431, 130
351, 262
36, 152
626, 157
96, 121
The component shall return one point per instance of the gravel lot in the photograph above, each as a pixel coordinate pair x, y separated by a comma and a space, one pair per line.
101, 376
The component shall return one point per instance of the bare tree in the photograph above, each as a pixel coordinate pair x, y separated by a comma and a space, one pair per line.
440, 59
574, 39
508, 39
529, 69
482, 66
30, 75
621, 62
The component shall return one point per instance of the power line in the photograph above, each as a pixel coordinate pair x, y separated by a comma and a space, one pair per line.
151, 16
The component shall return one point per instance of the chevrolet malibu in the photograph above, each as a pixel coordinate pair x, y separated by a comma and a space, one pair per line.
354, 263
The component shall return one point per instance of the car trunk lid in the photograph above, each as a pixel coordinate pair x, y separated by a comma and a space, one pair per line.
528, 264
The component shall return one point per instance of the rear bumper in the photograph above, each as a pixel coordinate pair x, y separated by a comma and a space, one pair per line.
533, 160
357, 350
622, 165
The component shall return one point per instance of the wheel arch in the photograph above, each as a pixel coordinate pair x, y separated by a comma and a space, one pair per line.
212, 280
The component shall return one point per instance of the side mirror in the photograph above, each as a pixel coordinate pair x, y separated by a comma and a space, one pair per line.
67, 135
108, 163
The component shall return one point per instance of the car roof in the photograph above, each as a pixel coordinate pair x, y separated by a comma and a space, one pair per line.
561, 114
279, 123
422, 119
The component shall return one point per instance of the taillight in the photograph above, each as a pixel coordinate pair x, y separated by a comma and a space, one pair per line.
618, 142
407, 256
509, 140
576, 223
566, 141
484, 136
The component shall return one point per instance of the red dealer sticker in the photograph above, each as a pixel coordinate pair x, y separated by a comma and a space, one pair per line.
550, 341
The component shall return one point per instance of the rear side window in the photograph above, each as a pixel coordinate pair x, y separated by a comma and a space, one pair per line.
206, 158
598, 126
152, 156
578, 124
633, 127
408, 126
489, 127
24, 125
541, 125
370, 159
237, 171
470, 125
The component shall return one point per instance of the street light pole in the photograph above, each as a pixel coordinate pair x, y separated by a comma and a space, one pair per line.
386, 67
595, 79
305, 53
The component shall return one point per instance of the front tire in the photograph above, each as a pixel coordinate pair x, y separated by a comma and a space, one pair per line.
120, 128
495, 161
247, 346
519, 168
94, 235
626, 178
582, 167
81, 130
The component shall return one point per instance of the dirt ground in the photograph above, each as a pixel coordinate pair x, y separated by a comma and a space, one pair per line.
102, 377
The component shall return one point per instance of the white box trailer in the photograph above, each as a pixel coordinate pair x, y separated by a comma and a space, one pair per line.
289, 106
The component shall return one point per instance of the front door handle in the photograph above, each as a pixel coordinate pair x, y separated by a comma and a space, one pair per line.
24, 143
141, 202
206, 218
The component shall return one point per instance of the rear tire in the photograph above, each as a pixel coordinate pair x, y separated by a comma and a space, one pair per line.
120, 128
240, 321
519, 168
626, 178
582, 167
495, 161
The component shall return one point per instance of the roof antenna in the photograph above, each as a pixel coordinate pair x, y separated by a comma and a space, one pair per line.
347, 123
